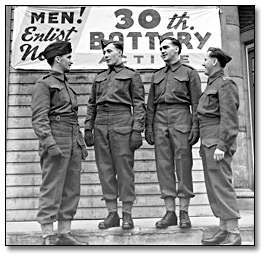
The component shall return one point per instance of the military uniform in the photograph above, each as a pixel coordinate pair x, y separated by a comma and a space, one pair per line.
55, 121
173, 90
61, 149
218, 121
114, 93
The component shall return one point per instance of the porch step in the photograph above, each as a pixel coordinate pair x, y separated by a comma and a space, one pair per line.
144, 233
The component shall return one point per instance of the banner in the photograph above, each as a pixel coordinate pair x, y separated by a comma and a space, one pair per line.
35, 27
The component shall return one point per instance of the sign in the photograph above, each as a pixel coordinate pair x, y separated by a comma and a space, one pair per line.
196, 27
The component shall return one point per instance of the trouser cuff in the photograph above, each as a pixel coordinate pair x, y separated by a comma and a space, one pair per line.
64, 226
47, 230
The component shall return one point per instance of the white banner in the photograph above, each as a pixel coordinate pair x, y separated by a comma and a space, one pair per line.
197, 28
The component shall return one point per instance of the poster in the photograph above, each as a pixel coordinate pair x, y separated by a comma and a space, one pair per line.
138, 27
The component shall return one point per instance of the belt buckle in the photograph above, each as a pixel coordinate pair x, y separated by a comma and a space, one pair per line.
58, 118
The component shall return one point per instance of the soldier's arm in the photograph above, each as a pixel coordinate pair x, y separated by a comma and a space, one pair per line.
91, 109
150, 111
40, 106
229, 103
195, 93
137, 92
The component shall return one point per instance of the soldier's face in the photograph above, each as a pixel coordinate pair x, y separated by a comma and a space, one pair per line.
208, 64
169, 52
112, 55
65, 62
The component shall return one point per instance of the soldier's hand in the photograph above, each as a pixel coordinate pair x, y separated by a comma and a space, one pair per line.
193, 137
55, 152
135, 140
89, 138
149, 137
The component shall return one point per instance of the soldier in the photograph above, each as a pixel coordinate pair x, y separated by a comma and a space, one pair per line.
173, 129
218, 122
117, 131
61, 146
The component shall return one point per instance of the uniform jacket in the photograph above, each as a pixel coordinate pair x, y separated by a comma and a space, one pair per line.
175, 84
220, 101
52, 96
119, 85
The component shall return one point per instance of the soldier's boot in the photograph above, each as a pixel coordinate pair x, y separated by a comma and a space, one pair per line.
170, 219
112, 220
184, 219
69, 240
127, 221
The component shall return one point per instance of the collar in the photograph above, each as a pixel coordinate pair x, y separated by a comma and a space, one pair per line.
215, 76
58, 75
174, 66
117, 68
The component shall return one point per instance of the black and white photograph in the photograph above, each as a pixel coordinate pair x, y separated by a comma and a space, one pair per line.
130, 125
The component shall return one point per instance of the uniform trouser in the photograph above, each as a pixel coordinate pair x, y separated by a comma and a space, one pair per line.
173, 151
60, 187
114, 158
219, 186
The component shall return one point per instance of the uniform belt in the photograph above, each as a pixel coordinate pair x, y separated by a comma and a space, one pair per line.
164, 106
207, 121
113, 107
72, 119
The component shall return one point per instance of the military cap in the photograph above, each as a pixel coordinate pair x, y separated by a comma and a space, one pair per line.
117, 44
57, 48
174, 41
222, 57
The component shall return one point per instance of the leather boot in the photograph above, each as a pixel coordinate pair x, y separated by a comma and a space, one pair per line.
232, 240
184, 219
216, 239
50, 241
69, 240
170, 219
127, 221
112, 220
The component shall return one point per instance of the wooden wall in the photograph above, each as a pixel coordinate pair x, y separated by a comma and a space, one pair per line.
23, 173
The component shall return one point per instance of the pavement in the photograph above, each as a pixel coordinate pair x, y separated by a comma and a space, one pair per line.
144, 232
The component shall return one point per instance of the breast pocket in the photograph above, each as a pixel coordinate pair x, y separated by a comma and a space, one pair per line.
212, 102
121, 85
180, 85
159, 85
101, 86
72, 94
58, 95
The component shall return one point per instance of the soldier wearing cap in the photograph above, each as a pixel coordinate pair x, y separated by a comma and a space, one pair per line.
218, 122
173, 129
115, 131
61, 146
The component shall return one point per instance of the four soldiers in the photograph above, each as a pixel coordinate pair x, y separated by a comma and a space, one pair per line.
114, 122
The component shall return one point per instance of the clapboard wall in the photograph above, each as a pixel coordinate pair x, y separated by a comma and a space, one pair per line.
23, 173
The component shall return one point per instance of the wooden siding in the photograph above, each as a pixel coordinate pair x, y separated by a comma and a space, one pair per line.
23, 173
